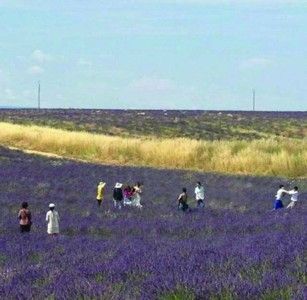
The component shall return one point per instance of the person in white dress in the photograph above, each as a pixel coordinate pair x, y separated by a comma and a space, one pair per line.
199, 195
52, 219
136, 197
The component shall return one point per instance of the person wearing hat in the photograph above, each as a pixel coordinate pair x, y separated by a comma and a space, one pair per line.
52, 219
118, 195
100, 192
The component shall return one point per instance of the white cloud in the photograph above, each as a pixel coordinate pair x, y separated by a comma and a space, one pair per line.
84, 63
256, 62
40, 57
35, 70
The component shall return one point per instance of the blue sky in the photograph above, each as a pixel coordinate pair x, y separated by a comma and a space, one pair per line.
172, 54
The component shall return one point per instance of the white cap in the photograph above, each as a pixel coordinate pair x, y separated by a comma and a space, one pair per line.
51, 205
118, 185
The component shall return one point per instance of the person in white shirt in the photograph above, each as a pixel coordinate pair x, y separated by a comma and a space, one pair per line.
278, 198
199, 195
52, 219
294, 197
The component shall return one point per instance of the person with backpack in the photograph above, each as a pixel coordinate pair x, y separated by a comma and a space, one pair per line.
52, 219
100, 192
24, 217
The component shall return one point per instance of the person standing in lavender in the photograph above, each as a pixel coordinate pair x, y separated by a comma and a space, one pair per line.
199, 195
127, 195
100, 192
136, 197
118, 195
278, 198
294, 197
24, 217
183, 200
52, 219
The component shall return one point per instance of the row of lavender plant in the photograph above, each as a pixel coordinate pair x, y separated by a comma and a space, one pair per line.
236, 248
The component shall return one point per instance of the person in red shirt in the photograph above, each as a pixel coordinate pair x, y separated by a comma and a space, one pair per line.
24, 217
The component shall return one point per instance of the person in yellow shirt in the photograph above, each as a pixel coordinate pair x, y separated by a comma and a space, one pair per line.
100, 192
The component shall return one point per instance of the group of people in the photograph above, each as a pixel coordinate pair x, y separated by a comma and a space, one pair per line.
281, 193
52, 219
131, 196
127, 196
199, 197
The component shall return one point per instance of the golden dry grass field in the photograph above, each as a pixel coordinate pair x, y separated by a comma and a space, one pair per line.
277, 156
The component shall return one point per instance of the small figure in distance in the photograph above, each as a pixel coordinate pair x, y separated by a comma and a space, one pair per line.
183, 200
100, 192
200, 195
24, 217
52, 219
118, 195
279, 195
136, 196
294, 197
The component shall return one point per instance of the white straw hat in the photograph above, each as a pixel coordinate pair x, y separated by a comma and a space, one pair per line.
51, 205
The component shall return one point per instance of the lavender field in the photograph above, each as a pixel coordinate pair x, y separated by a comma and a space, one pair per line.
236, 248
195, 124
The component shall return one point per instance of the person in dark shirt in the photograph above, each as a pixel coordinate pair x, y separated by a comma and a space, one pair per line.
118, 195
183, 200
24, 217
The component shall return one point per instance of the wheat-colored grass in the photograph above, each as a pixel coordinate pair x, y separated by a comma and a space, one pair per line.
284, 157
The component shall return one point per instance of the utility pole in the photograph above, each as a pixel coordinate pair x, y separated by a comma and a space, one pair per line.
254, 100
39, 96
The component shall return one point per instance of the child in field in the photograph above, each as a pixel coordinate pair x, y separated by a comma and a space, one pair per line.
183, 200
118, 195
24, 217
279, 195
199, 195
52, 219
100, 192
294, 197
